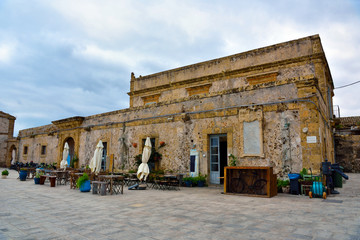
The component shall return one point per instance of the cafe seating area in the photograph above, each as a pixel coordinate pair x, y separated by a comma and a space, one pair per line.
104, 182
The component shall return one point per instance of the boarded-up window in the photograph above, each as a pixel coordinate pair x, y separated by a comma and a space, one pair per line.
252, 144
151, 99
198, 90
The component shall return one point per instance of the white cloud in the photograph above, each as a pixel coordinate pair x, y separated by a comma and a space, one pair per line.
93, 52
7, 52
66, 58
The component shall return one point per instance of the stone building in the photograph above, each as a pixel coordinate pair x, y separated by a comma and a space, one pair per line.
7, 142
347, 143
270, 106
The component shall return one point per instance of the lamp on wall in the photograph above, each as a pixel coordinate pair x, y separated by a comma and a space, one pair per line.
134, 145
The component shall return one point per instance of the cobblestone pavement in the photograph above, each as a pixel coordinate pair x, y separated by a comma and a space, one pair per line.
30, 211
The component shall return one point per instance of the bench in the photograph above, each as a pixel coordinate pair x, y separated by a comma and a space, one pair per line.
51, 178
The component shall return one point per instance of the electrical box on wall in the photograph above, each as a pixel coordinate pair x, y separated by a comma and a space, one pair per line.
194, 163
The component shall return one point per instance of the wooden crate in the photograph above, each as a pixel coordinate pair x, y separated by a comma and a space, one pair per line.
251, 181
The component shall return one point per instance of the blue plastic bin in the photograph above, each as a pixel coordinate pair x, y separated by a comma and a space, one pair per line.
295, 176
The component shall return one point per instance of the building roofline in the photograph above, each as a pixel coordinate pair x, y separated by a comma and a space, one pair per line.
262, 49
6, 115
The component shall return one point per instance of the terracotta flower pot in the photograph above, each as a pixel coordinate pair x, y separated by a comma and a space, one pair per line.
134, 145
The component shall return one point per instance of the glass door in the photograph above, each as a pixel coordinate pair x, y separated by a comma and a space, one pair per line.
214, 160
103, 158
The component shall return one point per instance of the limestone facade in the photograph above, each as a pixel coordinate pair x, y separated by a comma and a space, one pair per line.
270, 107
7, 142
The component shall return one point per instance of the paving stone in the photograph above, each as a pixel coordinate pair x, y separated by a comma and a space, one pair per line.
29, 211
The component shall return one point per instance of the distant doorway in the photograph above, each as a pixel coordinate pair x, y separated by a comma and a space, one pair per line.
12, 156
218, 157
70, 141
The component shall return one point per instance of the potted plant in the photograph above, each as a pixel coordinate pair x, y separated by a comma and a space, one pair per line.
188, 181
201, 180
138, 159
83, 183
155, 156
232, 160
303, 172
23, 174
74, 161
37, 177
4, 173
284, 185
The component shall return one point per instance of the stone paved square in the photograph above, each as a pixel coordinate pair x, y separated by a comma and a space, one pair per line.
30, 211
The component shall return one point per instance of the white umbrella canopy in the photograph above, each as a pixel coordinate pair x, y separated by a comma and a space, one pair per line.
13, 154
143, 170
64, 162
95, 163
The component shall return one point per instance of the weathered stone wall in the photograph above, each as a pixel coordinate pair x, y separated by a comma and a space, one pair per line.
347, 143
3, 149
6, 133
4, 128
34, 145
188, 125
4, 125
348, 152
279, 52
283, 89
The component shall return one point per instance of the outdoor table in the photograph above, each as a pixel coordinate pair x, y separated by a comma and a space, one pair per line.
170, 182
61, 176
116, 183
169, 176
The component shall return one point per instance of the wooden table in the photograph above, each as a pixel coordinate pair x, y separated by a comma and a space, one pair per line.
115, 183
61, 176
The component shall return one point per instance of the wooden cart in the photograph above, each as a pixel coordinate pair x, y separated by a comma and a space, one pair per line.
250, 181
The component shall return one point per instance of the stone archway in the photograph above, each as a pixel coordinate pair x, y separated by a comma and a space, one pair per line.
9, 158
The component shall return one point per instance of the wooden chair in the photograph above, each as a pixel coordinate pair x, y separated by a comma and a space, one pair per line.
73, 179
62, 178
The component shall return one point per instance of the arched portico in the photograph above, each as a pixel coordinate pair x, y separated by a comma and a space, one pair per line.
10, 155
70, 141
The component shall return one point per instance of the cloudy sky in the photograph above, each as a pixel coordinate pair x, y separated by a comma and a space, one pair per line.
64, 58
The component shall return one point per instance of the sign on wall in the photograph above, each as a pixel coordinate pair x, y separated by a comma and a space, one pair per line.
311, 139
252, 143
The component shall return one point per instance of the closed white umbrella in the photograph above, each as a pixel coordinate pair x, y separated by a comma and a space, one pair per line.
64, 162
143, 170
13, 154
95, 163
